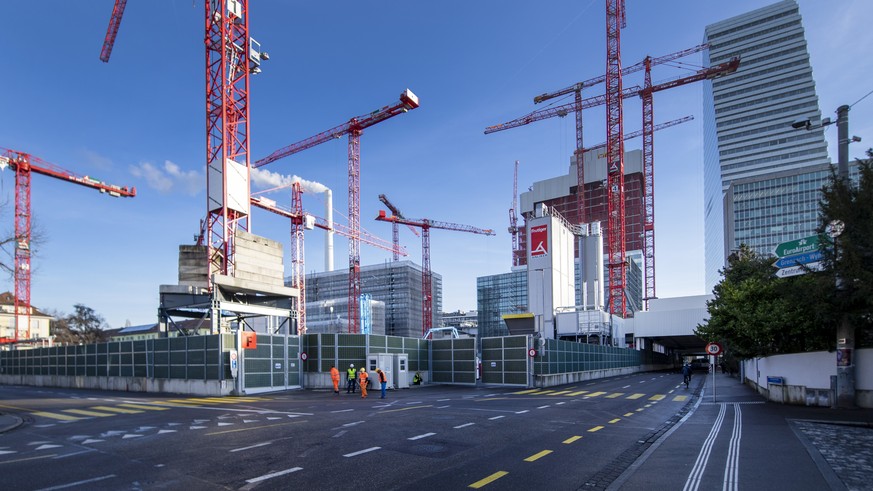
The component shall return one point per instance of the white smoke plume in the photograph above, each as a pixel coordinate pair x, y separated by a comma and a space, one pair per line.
266, 179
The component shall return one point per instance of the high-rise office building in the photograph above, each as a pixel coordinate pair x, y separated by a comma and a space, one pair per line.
762, 177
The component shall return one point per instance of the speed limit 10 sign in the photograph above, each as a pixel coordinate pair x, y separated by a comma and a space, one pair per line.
713, 349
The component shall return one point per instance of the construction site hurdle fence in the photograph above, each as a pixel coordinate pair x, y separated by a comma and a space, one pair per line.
203, 365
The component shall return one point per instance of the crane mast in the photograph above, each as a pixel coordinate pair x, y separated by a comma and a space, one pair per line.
615, 159
426, 273
24, 165
513, 219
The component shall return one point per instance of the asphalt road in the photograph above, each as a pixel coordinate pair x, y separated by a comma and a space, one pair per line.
434, 437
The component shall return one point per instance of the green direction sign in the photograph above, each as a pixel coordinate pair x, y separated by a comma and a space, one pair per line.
799, 246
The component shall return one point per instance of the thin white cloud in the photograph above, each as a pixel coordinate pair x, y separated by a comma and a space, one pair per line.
170, 177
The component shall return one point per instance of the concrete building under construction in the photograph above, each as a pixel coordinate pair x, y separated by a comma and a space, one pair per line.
395, 299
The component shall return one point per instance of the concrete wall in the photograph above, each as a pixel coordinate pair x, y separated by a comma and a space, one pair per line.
213, 388
807, 377
551, 380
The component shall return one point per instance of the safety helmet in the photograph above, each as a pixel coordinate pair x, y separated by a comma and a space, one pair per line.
362, 369
352, 365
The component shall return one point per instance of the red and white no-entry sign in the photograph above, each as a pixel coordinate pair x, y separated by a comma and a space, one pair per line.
531, 352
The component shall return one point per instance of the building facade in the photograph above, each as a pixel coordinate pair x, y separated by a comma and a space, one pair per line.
395, 284
762, 177
499, 295
37, 331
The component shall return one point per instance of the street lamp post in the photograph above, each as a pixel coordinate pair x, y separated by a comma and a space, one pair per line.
845, 387
845, 334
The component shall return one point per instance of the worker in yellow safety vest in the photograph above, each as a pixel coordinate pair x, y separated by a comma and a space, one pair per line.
352, 373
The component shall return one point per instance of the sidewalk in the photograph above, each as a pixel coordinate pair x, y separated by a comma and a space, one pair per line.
740, 441
9, 422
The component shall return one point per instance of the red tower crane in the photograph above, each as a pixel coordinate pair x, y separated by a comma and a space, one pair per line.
354, 128
426, 274
231, 56
301, 221
576, 89
24, 165
644, 92
395, 227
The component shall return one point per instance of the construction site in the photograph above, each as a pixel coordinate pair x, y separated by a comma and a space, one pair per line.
584, 247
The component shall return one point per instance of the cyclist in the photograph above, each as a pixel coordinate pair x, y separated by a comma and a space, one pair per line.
686, 374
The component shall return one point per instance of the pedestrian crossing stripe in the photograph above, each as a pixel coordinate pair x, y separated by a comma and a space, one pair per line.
680, 398
657, 397
595, 394
577, 393
87, 413
635, 396
116, 409
596, 428
545, 392
62, 417
530, 391
143, 406
614, 395
559, 393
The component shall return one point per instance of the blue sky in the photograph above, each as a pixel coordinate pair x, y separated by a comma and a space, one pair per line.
139, 121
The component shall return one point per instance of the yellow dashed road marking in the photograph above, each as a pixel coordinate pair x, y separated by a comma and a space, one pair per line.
529, 391
144, 406
559, 393
613, 421
634, 396
572, 439
87, 413
641, 409
62, 417
545, 392
657, 397
115, 409
628, 414
578, 392
493, 477
595, 394
596, 428
680, 398
614, 395
538, 455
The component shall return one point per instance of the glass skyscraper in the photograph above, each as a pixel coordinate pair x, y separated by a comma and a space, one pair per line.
762, 177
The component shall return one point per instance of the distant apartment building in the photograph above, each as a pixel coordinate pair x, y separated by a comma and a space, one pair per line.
38, 330
762, 177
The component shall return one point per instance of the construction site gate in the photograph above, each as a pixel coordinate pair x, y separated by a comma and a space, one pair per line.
453, 361
507, 361
273, 365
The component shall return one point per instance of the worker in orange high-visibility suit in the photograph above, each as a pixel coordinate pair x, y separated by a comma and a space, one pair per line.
334, 377
362, 381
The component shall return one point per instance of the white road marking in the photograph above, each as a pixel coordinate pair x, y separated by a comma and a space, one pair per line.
559, 403
77, 483
272, 475
542, 407
166, 431
46, 447
342, 411
626, 386
353, 424
522, 412
464, 425
359, 452
496, 417
125, 437
731, 467
339, 434
92, 441
443, 400
250, 447
4, 452
442, 407
696, 474
419, 437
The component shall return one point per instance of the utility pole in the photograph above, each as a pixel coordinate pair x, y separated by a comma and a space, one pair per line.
845, 333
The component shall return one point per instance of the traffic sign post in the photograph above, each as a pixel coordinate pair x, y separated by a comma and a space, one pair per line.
714, 349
